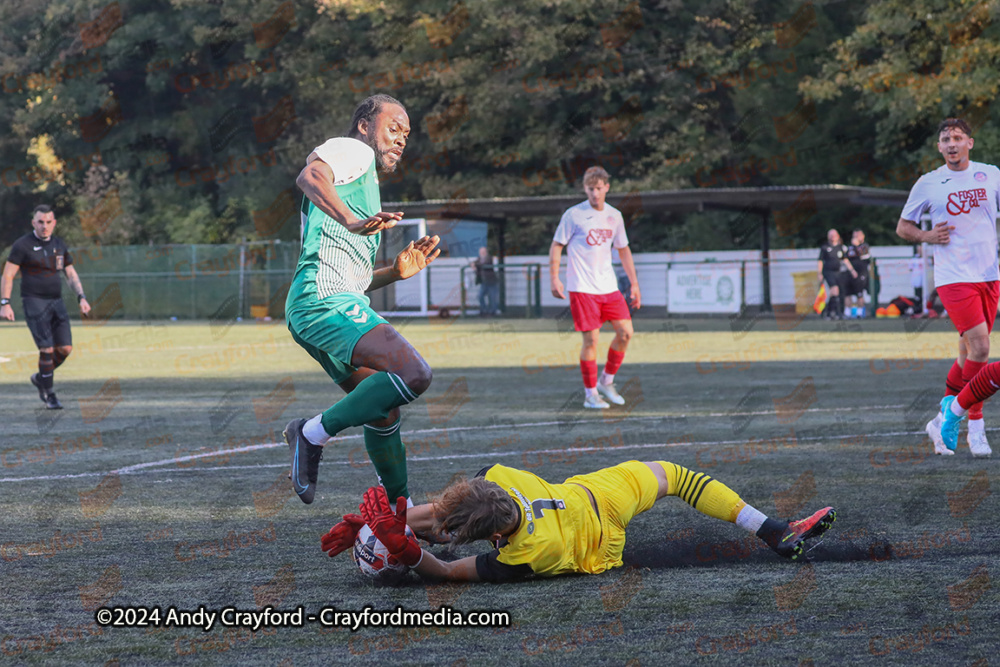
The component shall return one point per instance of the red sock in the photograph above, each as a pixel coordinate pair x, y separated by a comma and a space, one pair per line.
954, 383
615, 359
589, 371
969, 371
981, 387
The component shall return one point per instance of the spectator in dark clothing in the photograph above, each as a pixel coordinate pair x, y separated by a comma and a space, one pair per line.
489, 285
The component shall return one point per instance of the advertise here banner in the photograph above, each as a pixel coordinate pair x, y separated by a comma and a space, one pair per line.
704, 289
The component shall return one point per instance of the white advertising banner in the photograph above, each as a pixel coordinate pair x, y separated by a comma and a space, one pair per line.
704, 289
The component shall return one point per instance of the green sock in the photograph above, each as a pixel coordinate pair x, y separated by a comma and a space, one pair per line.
388, 454
371, 400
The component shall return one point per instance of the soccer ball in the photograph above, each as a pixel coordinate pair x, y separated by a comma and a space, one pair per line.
374, 559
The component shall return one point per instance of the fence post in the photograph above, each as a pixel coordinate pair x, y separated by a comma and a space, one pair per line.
427, 285
666, 288
538, 290
461, 284
243, 264
876, 285
743, 285
527, 296
502, 278
194, 258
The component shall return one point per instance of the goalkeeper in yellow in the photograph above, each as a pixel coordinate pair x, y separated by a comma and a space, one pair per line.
544, 529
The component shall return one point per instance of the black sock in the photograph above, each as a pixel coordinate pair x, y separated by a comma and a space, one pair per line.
46, 368
771, 531
59, 358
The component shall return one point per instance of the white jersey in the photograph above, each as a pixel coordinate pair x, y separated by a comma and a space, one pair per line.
969, 200
588, 235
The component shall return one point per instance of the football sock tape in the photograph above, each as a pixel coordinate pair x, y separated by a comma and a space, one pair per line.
46, 368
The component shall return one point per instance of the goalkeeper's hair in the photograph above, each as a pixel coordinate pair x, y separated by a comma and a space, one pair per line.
474, 509
369, 110
955, 123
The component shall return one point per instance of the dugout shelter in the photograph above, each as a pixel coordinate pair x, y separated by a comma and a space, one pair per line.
757, 208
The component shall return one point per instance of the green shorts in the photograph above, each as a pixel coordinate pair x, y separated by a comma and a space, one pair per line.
330, 328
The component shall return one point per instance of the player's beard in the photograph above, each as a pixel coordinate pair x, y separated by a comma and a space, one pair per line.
381, 159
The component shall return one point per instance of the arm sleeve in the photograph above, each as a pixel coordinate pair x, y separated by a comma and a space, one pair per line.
490, 569
916, 203
621, 239
16, 255
348, 158
67, 258
564, 232
997, 176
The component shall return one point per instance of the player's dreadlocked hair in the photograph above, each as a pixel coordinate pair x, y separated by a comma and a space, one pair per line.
369, 109
956, 123
474, 509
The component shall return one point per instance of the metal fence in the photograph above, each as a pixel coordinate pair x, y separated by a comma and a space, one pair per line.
251, 280
187, 281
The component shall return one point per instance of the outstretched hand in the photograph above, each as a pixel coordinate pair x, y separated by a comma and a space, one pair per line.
375, 224
416, 256
341, 537
390, 527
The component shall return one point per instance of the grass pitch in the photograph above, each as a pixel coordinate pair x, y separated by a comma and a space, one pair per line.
163, 483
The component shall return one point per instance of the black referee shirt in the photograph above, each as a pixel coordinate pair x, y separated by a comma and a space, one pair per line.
859, 256
832, 257
40, 262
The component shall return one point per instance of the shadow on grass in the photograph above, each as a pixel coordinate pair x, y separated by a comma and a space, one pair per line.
746, 550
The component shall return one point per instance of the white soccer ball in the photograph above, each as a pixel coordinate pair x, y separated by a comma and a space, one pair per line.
373, 558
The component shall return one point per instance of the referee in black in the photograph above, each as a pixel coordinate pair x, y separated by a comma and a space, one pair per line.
40, 257
860, 256
831, 269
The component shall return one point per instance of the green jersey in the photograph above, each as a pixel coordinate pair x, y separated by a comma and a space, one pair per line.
334, 260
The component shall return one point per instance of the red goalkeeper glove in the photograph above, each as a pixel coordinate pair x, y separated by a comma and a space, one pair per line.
341, 537
389, 527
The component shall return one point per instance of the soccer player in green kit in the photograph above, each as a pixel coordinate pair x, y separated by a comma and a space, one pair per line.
327, 310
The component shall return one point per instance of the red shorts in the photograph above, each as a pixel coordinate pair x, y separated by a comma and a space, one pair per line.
970, 304
590, 311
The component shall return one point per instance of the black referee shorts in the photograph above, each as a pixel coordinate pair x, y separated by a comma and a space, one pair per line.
857, 286
832, 278
48, 321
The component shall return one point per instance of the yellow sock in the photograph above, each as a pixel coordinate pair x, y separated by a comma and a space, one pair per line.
708, 496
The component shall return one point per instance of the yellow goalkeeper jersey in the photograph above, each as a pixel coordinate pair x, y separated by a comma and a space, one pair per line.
559, 530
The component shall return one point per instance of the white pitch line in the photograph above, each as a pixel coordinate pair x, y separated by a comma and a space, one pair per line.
439, 429
153, 466
650, 418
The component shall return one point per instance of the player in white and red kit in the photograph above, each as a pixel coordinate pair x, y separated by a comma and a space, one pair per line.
962, 198
588, 231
